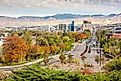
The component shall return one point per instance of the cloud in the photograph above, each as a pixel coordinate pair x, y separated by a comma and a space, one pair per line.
49, 3
58, 6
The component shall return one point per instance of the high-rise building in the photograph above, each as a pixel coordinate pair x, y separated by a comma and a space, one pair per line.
72, 27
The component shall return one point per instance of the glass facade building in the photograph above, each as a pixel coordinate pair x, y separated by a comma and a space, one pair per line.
72, 26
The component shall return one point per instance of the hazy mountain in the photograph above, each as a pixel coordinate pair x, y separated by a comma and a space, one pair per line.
57, 16
67, 16
35, 20
60, 16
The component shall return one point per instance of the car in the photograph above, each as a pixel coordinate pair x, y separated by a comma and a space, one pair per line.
93, 45
89, 51
98, 50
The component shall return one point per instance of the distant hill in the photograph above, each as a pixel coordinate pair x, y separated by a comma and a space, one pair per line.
35, 20
62, 16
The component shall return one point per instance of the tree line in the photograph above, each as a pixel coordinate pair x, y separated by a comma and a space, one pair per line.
30, 45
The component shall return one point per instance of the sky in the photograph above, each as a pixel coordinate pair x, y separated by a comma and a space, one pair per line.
16, 8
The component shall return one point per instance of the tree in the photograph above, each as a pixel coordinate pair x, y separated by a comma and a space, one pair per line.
47, 51
62, 58
115, 64
68, 43
62, 47
87, 33
70, 58
76, 36
53, 48
27, 37
14, 49
51, 41
34, 52
82, 36
41, 41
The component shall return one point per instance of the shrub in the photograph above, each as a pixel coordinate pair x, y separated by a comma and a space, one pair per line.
114, 65
37, 73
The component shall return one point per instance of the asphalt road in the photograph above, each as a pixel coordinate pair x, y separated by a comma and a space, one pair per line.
80, 48
91, 56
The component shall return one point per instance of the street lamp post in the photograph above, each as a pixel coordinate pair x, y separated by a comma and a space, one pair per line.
100, 55
100, 48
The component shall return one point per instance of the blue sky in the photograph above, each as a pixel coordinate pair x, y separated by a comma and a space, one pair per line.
16, 8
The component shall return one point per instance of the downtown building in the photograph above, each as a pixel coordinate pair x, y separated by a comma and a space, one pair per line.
116, 33
63, 28
72, 27
115, 30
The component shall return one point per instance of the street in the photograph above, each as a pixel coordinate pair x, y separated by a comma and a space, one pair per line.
78, 50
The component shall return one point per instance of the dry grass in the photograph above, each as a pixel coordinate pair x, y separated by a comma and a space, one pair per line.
4, 75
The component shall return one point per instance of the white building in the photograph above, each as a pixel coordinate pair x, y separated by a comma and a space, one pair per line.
46, 28
2, 36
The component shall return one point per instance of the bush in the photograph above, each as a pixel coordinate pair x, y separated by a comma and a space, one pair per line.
114, 75
37, 73
114, 65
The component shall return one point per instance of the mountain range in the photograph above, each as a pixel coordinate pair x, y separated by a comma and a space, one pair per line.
62, 16
57, 19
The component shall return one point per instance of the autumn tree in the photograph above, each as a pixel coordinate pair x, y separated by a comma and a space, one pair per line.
83, 36
27, 37
33, 52
44, 52
14, 49
76, 36
87, 32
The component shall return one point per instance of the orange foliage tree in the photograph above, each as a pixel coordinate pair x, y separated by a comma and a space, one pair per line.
83, 36
14, 49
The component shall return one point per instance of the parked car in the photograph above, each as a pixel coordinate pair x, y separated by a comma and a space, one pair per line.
89, 50
98, 50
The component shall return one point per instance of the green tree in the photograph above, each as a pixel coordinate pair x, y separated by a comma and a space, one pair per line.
115, 64
27, 37
70, 58
62, 58
41, 41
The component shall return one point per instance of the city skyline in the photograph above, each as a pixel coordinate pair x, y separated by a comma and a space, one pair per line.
16, 8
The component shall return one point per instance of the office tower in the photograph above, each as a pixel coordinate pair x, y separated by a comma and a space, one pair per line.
72, 26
